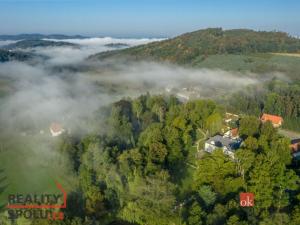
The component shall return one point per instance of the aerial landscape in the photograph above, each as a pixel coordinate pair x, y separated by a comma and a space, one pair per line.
149, 113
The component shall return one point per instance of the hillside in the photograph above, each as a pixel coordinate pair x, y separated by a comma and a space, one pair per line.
39, 36
187, 48
38, 43
10, 56
232, 50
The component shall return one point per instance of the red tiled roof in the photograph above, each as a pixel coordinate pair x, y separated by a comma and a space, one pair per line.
234, 132
274, 119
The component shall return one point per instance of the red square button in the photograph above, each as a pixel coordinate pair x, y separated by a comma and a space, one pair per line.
246, 199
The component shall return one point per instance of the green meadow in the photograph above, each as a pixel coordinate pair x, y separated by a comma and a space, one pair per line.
257, 63
30, 165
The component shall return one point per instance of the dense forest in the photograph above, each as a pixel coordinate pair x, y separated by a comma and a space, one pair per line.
239, 50
19, 37
23, 44
19, 56
142, 167
274, 97
188, 47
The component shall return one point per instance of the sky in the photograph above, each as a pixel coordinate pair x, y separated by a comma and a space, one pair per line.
145, 18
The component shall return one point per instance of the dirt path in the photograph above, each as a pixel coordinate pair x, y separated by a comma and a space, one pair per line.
201, 139
288, 54
289, 134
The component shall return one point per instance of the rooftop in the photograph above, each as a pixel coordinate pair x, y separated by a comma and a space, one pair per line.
56, 127
221, 141
273, 118
295, 141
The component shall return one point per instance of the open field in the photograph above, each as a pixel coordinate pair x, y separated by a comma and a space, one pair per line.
27, 167
258, 63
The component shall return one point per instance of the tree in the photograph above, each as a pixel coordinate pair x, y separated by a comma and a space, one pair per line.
175, 146
207, 195
119, 123
282, 149
151, 200
157, 152
157, 105
152, 134
235, 220
137, 108
130, 162
269, 180
276, 219
152, 141
245, 161
94, 199
251, 143
218, 215
214, 123
249, 126
195, 214
268, 130
219, 171
273, 104
295, 217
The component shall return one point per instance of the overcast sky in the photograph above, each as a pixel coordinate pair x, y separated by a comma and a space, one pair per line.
145, 18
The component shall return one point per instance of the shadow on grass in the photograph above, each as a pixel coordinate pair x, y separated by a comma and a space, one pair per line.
3, 179
3, 187
2, 208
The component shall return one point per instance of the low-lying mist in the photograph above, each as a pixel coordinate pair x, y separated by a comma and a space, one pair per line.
41, 93
35, 95
87, 47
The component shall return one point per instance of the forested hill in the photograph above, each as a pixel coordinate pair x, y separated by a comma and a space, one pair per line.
147, 169
38, 43
16, 55
39, 36
190, 47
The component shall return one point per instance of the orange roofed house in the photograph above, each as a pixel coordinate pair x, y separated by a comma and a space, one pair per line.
275, 120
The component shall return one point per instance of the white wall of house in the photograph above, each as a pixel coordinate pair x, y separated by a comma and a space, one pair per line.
209, 147
55, 134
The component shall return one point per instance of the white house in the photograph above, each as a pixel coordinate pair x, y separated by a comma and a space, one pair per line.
56, 129
228, 144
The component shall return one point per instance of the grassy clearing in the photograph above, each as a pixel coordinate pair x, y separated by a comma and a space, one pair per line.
256, 63
30, 165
